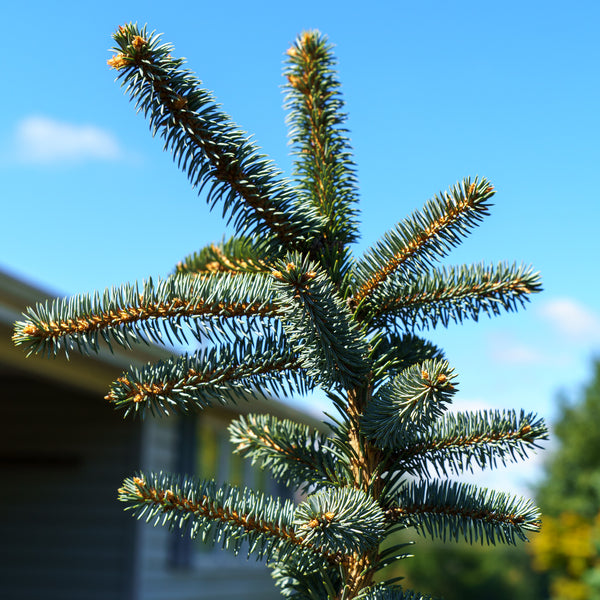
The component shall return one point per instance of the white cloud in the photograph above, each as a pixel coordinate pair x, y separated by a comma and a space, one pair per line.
506, 349
572, 319
42, 140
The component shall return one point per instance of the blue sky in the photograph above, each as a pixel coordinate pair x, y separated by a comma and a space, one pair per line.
435, 91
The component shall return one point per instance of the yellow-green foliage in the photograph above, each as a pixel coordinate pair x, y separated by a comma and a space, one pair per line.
568, 547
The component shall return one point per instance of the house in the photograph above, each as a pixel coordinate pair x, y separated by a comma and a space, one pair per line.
64, 453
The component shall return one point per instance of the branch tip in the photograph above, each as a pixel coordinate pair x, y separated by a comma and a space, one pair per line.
118, 61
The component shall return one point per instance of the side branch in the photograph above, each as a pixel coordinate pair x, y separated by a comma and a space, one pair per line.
221, 512
294, 454
457, 442
411, 401
236, 255
449, 509
137, 489
139, 391
424, 237
207, 144
453, 294
132, 312
491, 516
226, 373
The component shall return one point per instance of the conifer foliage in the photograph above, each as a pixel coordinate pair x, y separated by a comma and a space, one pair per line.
284, 307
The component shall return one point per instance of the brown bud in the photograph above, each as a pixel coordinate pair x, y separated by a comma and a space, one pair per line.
138, 42
118, 61
30, 330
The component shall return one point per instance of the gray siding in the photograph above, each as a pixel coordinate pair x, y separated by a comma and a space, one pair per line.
63, 455
211, 576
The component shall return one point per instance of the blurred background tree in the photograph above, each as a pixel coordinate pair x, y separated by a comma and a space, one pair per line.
569, 546
572, 479
464, 572
458, 571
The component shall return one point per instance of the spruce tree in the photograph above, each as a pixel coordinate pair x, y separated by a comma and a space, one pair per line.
283, 307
